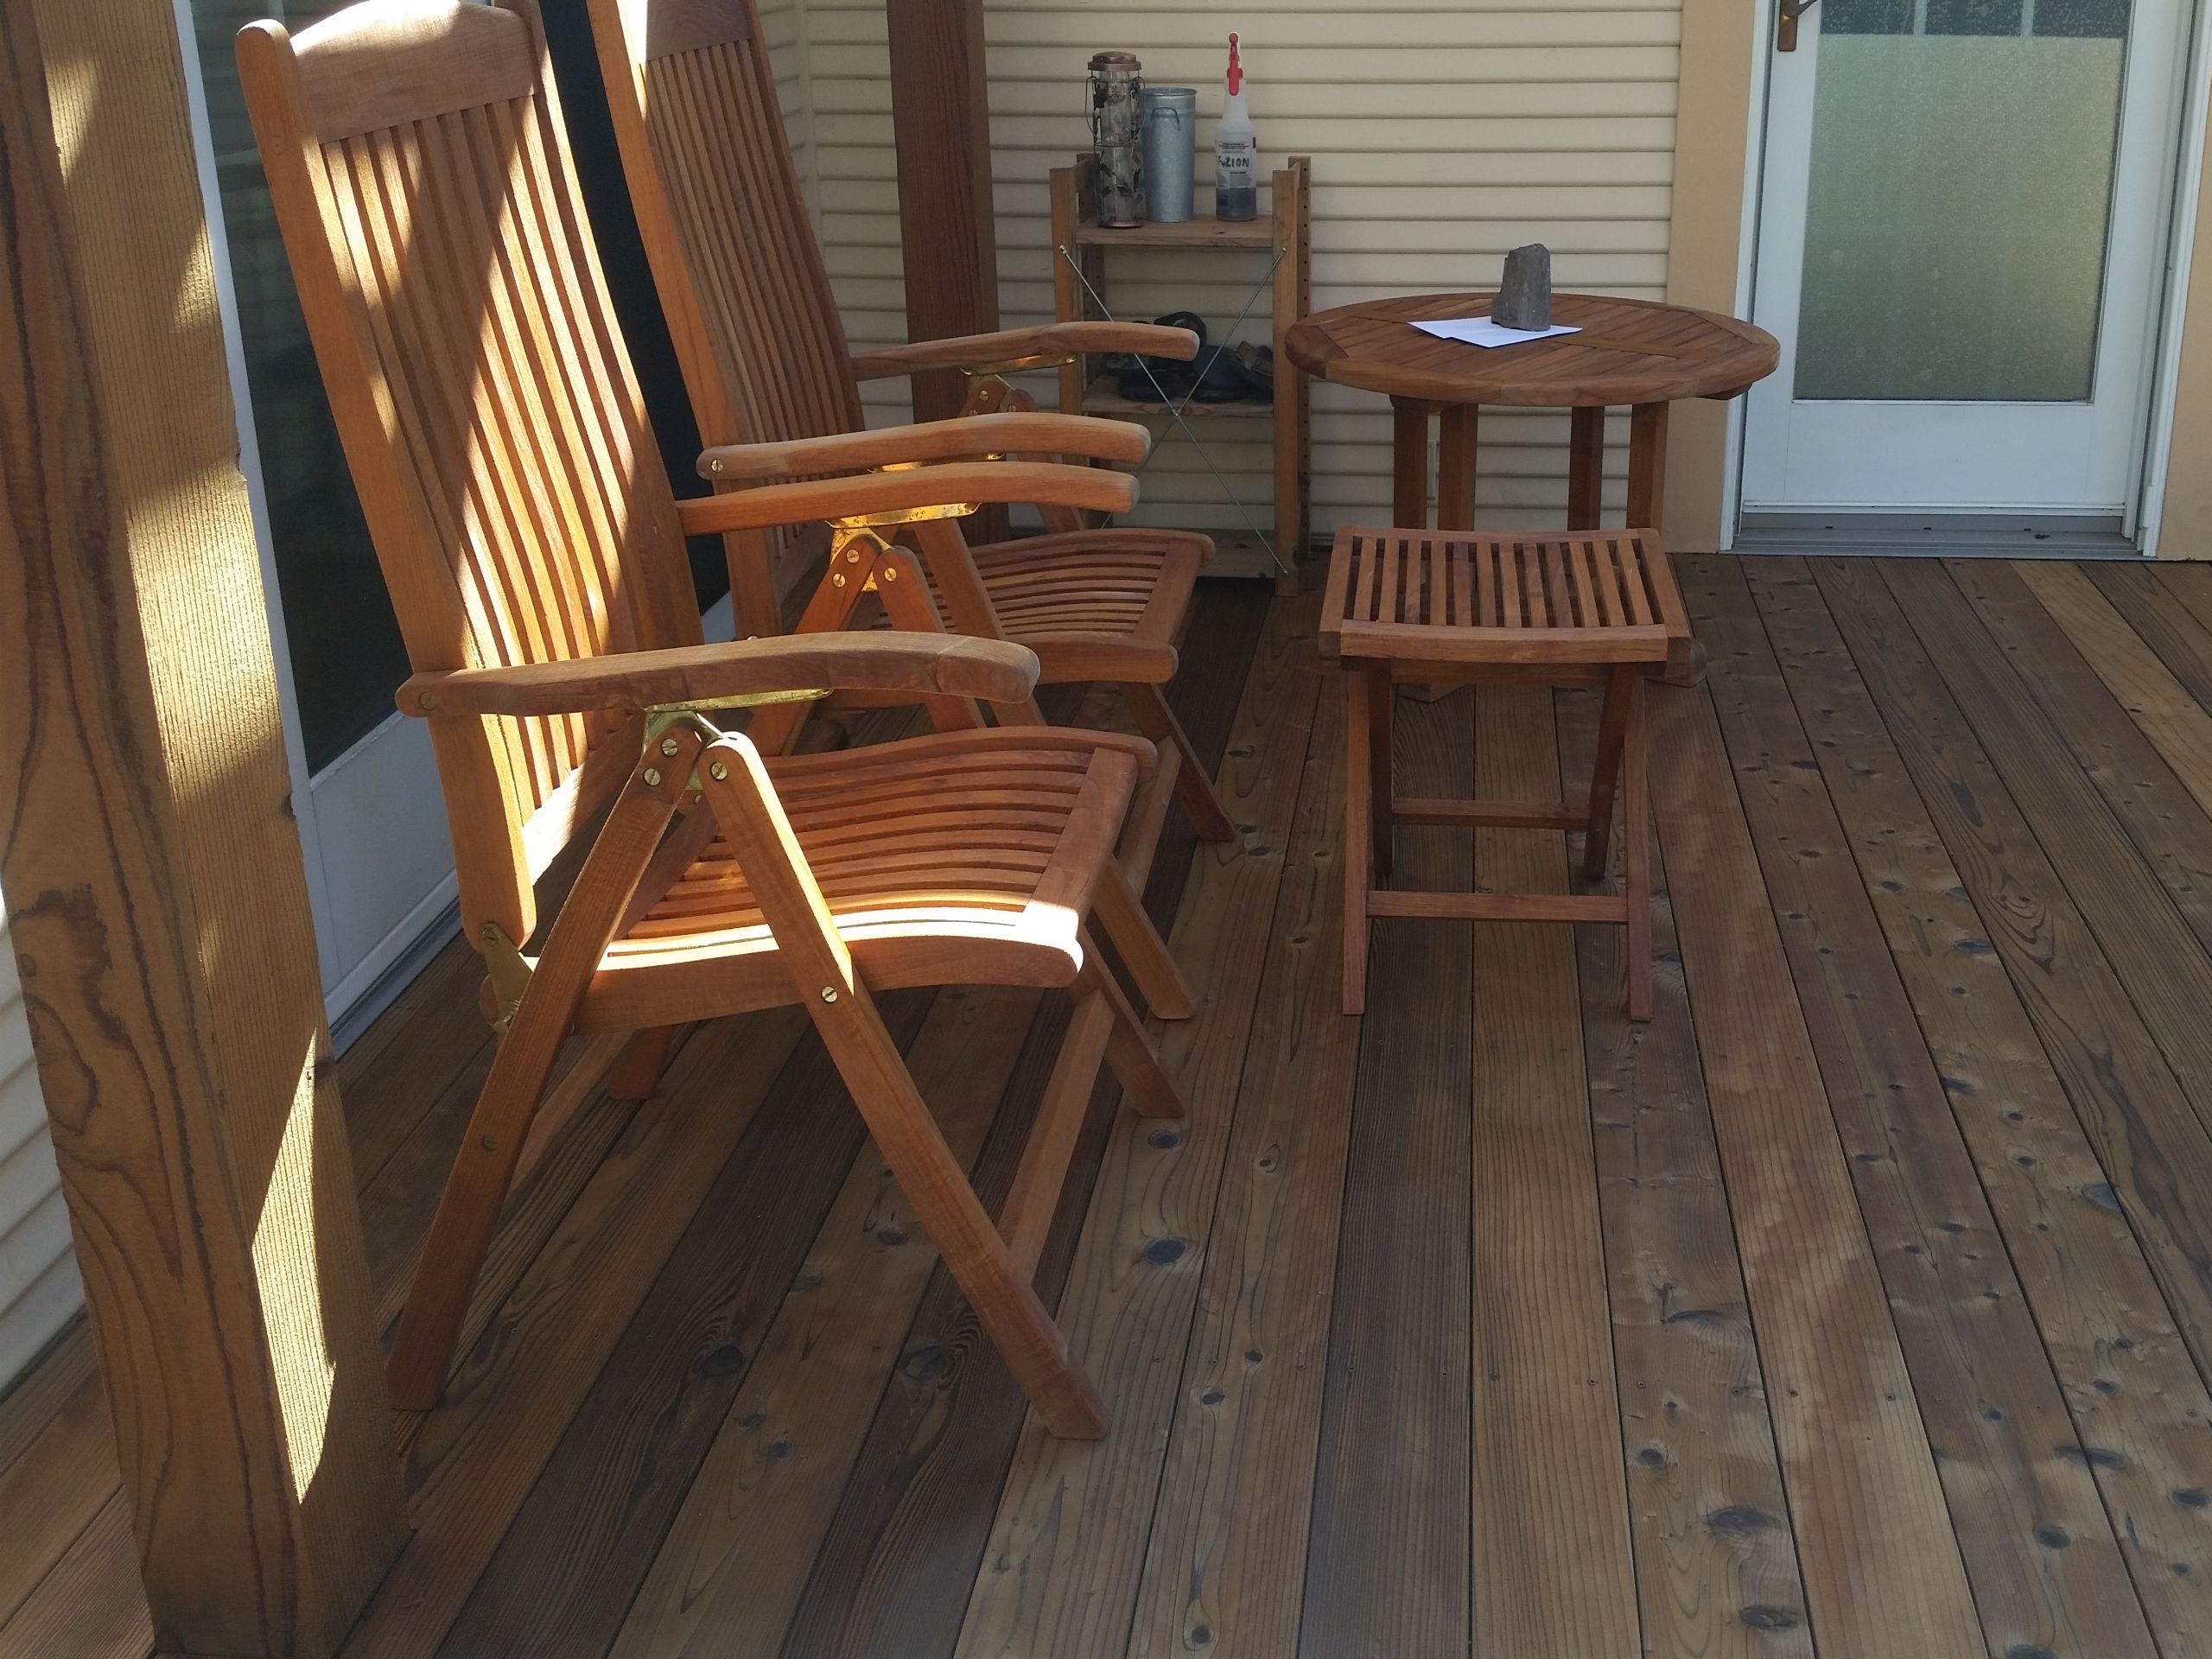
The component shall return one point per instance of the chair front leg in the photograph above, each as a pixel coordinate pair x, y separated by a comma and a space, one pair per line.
833, 995
468, 1209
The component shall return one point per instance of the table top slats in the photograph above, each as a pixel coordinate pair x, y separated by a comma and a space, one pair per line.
1629, 351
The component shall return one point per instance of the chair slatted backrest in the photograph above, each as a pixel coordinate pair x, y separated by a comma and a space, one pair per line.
492, 421
724, 219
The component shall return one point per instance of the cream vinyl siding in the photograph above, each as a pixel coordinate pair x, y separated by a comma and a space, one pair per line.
39, 1288
1440, 137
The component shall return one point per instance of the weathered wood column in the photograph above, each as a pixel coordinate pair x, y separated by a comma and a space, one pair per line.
941, 118
158, 903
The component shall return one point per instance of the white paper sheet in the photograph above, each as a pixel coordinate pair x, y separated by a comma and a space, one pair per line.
1481, 331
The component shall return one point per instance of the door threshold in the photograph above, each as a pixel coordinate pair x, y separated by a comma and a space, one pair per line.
1937, 536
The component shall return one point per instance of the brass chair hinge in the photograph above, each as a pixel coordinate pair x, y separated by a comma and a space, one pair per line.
510, 971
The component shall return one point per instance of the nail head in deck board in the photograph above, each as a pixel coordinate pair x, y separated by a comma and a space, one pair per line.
1387, 1558
1225, 1569
1883, 1089
1552, 1566
725, 1576
2090, 1026
2166, 823
472, 1462
1864, 1500
2122, 871
2159, 704
1067, 1545
201, 1145
1708, 1523
2159, 617
2098, 1301
582, 1541
913, 1519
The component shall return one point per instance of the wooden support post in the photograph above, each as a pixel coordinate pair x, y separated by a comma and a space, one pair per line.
158, 899
941, 121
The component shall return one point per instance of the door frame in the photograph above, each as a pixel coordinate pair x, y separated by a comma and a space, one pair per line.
2168, 307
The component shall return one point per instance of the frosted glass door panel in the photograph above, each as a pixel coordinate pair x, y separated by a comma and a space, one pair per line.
1956, 210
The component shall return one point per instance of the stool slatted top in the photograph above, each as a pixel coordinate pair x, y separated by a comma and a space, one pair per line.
1437, 596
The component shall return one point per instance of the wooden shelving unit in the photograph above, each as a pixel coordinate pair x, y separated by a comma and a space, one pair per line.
1084, 390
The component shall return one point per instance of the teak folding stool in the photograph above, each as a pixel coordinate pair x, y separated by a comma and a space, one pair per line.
1452, 607
497, 439
765, 357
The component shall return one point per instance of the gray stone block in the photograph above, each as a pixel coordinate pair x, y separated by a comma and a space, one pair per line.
1524, 297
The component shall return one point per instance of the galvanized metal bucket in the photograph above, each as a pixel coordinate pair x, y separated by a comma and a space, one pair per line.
1170, 131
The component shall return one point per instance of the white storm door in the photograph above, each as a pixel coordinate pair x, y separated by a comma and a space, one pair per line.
1962, 220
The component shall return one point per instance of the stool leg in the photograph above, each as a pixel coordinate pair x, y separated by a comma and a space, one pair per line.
1636, 827
1359, 776
1381, 705
1611, 725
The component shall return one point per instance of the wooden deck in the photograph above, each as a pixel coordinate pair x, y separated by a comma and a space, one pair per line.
1860, 1305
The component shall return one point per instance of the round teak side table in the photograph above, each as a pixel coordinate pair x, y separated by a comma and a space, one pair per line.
1635, 353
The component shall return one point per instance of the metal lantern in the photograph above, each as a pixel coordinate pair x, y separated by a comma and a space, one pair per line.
1117, 137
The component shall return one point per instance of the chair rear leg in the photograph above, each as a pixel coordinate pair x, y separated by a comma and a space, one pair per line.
1137, 1065
638, 1070
1194, 790
1145, 953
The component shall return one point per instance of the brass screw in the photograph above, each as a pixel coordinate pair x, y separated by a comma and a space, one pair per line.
839, 579
714, 465
718, 771
852, 556
668, 745
429, 701
828, 993
888, 571
490, 1145
652, 777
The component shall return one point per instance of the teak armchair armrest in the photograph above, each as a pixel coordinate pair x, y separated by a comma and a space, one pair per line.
968, 438
1011, 347
949, 664
856, 495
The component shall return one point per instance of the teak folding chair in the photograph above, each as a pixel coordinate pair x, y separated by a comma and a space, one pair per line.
496, 435
765, 357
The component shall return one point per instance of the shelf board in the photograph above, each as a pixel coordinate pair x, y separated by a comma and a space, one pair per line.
1250, 233
1100, 398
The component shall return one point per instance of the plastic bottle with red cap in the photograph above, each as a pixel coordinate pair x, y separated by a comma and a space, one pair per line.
1236, 151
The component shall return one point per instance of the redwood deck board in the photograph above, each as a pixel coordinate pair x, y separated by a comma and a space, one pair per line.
1387, 1568
1716, 1563
1936, 836
2039, 1549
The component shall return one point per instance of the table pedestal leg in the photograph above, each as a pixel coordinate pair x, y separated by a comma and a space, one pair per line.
1647, 466
1409, 463
1586, 469
1455, 466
